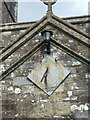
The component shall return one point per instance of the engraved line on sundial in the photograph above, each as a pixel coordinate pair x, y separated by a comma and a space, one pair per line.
44, 78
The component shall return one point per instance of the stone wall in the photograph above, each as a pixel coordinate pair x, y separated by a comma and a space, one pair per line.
22, 99
5, 15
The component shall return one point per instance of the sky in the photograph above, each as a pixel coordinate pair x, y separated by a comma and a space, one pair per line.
32, 10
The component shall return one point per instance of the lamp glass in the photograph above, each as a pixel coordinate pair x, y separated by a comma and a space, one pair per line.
46, 34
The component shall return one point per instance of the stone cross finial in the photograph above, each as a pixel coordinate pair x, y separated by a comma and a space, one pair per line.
49, 3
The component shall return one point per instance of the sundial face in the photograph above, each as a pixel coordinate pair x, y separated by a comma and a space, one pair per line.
48, 75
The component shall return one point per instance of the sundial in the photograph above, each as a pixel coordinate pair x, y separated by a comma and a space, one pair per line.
48, 74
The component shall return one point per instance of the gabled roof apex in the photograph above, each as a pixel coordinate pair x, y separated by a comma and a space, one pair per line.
48, 19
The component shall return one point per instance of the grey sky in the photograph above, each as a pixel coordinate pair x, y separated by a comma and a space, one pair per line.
31, 10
